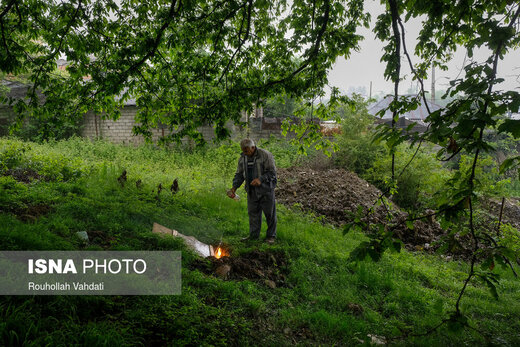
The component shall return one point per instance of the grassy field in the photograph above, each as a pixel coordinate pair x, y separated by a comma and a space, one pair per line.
327, 300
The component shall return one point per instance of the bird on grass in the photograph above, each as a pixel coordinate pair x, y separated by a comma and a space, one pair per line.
159, 189
174, 187
122, 179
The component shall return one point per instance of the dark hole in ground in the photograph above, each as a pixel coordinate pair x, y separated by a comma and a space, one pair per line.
267, 267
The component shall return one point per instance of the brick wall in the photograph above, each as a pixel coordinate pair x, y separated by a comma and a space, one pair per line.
119, 131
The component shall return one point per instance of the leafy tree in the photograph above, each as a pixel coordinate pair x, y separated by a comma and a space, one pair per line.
186, 62
279, 106
357, 152
458, 128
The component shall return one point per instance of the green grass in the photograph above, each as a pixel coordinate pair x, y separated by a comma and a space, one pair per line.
403, 292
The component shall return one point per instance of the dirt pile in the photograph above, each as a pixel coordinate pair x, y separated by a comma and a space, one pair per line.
337, 193
510, 211
270, 268
330, 193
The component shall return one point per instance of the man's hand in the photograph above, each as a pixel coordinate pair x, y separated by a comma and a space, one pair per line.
256, 182
231, 193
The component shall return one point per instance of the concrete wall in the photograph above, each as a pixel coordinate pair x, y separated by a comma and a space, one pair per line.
6, 113
120, 131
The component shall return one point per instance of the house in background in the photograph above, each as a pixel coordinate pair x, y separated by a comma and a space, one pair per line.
417, 116
11, 89
95, 126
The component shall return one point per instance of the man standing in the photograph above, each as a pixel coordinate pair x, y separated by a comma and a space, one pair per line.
256, 167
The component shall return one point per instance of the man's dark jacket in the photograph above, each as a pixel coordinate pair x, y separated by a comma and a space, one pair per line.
263, 168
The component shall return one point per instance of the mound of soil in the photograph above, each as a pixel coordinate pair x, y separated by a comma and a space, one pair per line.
510, 211
268, 267
337, 193
331, 193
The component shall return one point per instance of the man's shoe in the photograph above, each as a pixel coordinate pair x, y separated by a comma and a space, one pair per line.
270, 240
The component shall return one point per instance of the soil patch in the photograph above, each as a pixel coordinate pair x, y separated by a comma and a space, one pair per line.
33, 212
510, 212
337, 193
24, 175
267, 267
100, 238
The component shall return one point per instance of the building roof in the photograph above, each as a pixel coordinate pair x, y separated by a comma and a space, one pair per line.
418, 115
18, 91
62, 62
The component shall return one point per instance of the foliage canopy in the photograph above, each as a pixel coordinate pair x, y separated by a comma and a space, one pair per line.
186, 62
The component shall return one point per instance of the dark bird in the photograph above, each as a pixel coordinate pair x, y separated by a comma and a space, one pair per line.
158, 196
175, 186
138, 183
122, 179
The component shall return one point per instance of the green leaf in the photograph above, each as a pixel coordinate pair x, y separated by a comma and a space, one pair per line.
509, 163
397, 246
492, 288
487, 263
457, 322
347, 228
375, 254
511, 126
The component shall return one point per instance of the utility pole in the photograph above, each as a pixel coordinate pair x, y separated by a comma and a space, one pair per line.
370, 95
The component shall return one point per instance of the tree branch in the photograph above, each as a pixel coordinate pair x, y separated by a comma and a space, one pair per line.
241, 42
7, 9
56, 51
397, 38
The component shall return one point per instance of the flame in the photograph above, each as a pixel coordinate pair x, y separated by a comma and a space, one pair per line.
221, 252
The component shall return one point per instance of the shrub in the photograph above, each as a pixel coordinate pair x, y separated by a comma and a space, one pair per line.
11, 154
417, 184
357, 152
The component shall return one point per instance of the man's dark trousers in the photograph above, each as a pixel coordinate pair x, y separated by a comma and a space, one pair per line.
255, 205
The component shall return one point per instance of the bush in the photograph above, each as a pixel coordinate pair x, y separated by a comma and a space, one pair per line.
357, 152
417, 184
510, 238
11, 154
371, 161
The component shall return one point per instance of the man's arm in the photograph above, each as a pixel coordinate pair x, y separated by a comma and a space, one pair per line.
239, 177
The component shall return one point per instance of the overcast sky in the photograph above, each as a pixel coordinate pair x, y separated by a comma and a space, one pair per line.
356, 73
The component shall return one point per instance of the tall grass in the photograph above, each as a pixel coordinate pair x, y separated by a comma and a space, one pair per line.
326, 300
